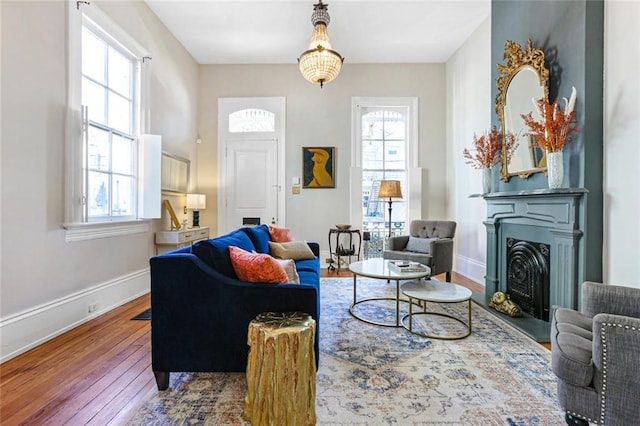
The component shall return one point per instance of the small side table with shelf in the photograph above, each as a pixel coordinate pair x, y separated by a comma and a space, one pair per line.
340, 255
180, 237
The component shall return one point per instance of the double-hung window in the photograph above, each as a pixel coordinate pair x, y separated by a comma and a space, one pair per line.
384, 148
110, 104
107, 110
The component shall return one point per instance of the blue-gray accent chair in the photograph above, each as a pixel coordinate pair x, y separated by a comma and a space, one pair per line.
596, 356
429, 242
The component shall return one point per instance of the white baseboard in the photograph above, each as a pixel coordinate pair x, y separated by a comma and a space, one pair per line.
470, 268
28, 329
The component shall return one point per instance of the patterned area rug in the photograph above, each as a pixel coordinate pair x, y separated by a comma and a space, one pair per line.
372, 375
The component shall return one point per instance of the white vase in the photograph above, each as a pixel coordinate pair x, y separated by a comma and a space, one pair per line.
486, 180
555, 169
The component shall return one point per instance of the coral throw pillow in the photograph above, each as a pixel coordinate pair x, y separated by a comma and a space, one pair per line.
256, 267
280, 235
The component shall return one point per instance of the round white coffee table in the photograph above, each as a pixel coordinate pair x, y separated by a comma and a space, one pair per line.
436, 292
379, 268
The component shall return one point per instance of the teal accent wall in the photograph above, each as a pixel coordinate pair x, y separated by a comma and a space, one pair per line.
571, 33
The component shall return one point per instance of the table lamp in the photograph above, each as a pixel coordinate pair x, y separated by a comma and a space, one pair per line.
390, 189
196, 202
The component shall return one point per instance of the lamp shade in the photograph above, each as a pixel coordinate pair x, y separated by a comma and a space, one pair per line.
390, 189
196, 201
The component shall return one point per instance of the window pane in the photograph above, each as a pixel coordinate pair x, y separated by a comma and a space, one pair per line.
395, 126
122, 155
122, 195
372, 127
252, 120
119, 73
395, 157
119, 113
372, 154
372, 210
98, 194
93, 98
93, 51
98, 149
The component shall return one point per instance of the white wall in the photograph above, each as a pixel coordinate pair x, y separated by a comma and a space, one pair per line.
469, 109
46, 284
622, 144
322, 117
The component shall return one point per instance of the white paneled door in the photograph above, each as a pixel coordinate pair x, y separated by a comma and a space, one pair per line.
252, 182
251, 162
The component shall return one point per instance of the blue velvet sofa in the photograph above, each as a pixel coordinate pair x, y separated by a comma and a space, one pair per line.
201, 311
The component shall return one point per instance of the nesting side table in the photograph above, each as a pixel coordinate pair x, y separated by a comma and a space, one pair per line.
436, 292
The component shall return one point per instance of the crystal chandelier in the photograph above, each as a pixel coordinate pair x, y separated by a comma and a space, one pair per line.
320, 64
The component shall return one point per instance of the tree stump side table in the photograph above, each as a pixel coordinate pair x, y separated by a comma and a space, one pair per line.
281, 370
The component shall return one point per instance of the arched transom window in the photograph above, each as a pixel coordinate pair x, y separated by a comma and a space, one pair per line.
252, 120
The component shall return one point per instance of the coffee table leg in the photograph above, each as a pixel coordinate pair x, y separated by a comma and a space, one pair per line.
397, 303
410, 314
469, 301
354, 288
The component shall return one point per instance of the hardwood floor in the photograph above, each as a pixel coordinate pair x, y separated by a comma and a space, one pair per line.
94, 374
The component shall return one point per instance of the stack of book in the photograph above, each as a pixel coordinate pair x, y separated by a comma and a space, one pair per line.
406, 266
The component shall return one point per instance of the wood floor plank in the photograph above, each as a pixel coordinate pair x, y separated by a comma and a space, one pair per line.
121, 407
106, 390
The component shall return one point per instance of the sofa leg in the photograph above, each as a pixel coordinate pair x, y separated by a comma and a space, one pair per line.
575, 421
162, 379
448, 276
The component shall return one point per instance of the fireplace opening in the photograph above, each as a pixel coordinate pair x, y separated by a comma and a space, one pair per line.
528, 276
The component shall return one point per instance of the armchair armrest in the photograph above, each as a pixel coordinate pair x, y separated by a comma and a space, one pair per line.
612, 299
616, 345
398, 243
442, 254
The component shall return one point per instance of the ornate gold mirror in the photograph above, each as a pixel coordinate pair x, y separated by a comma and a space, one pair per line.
522, 81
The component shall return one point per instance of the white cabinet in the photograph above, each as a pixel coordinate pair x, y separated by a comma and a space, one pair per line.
181, 237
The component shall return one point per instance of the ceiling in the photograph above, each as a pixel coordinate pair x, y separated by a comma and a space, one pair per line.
278, 31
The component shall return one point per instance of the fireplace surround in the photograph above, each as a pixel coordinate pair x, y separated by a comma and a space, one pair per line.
554, 218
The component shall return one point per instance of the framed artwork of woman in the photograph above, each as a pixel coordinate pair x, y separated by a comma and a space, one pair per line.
318, 167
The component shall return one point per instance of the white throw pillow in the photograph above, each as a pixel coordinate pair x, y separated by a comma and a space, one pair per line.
290, 268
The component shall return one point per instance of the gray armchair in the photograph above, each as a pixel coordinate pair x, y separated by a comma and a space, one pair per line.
596, 356
429, 242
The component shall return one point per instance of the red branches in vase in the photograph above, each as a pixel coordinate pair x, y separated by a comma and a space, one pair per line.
555, 129
488, 148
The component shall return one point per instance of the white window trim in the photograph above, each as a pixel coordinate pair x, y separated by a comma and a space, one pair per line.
76, 229
414, 186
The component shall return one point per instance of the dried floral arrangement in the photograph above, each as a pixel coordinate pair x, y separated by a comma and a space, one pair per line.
555, 129
488, 148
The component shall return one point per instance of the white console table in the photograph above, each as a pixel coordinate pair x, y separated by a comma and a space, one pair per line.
181, 237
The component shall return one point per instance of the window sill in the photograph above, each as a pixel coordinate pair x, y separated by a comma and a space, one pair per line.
91, 231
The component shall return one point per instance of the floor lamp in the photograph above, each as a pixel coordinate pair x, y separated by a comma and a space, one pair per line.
390, 189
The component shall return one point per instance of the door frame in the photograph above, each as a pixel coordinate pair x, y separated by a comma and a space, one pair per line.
277, 105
